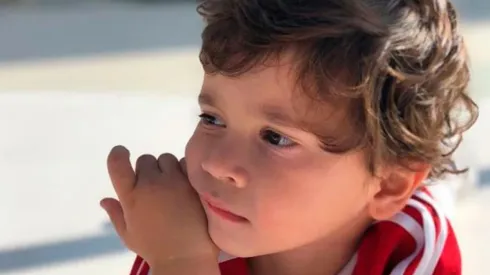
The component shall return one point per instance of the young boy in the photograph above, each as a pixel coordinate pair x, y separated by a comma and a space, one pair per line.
322, 121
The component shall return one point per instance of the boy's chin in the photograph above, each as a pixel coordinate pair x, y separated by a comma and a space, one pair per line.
233, 247
236, 248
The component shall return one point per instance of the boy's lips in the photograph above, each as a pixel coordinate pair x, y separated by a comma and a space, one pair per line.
217, 208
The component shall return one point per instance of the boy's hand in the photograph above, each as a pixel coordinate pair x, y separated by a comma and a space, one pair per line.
158, 215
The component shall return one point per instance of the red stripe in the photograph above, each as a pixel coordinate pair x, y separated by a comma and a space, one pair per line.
138, 266
383, 246
236, 266
437, 224
450, 261
145, 269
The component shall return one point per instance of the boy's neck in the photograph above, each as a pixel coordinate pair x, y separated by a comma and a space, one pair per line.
323, 257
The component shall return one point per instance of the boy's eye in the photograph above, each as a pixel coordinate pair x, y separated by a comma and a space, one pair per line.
211, 120
277, 139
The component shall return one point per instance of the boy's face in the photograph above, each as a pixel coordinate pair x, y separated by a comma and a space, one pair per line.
249, 156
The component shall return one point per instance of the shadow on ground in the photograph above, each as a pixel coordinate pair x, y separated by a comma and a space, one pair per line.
59, 252
473, 10
484, 177
65, 28
33, 32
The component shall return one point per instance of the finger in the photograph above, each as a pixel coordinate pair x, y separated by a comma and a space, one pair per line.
168, 163
183, 166
147, 168
120, 171
116, 215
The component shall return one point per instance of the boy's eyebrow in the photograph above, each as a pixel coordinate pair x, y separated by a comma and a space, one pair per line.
206, 99
272, 113
277, 115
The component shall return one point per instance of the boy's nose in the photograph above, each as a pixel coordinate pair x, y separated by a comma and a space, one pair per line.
226, 172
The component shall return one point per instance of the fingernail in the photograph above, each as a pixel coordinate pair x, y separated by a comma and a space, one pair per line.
102, 204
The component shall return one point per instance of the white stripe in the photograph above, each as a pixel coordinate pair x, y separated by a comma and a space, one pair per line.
443, 234
140, 268
415, 230
430, 236
223, 257
349, 267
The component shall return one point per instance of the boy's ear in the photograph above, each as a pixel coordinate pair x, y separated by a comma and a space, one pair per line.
396, 186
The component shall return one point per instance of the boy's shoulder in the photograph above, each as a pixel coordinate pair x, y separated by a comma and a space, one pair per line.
418, 240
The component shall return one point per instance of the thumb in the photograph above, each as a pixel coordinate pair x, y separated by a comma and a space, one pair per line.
116, 215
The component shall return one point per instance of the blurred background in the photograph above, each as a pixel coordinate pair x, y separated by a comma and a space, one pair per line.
77, 77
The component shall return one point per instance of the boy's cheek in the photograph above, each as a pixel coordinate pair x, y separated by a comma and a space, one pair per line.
188, 148
192, 160
192, 152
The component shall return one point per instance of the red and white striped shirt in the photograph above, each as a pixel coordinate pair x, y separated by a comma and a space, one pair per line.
417, 241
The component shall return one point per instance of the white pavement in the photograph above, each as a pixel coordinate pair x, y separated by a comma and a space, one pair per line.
52, 159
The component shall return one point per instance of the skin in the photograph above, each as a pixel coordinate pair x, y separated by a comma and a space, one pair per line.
269, 191
158, 215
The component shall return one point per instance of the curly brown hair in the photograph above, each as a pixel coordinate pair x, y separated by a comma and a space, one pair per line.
404, 66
